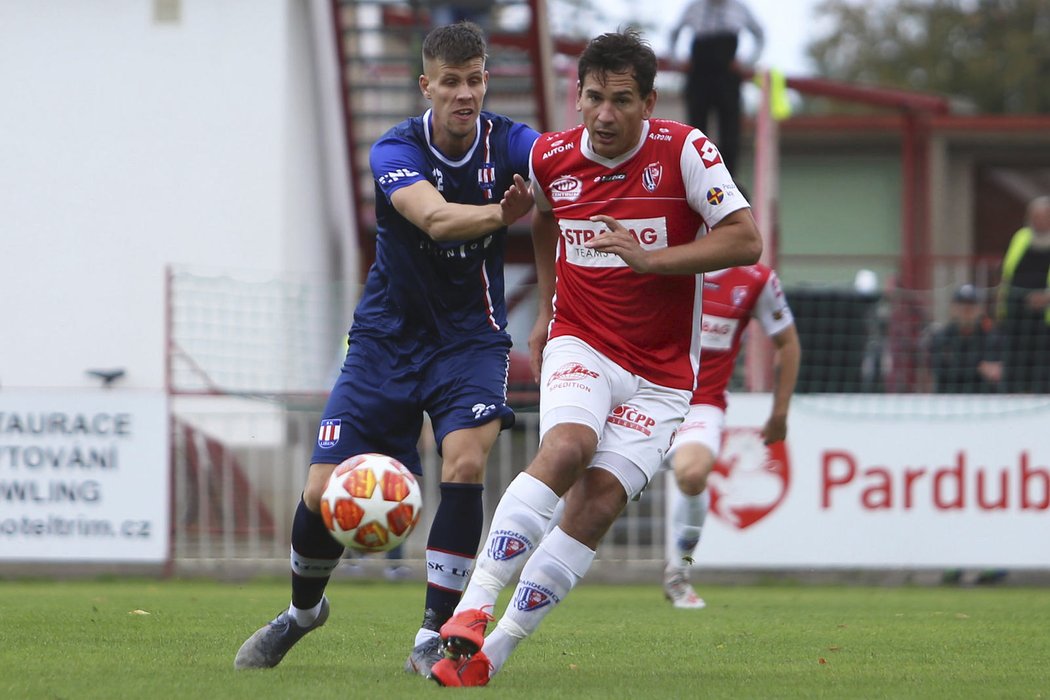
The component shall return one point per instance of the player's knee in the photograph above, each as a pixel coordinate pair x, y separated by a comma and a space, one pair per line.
316, 481
692, 464
562, 460
692, 479
570, 445
464, 468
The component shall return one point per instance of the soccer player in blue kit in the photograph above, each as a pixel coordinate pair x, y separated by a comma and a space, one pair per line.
429, 334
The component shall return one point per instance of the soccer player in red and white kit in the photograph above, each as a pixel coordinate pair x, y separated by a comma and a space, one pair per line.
623, 205
731, 299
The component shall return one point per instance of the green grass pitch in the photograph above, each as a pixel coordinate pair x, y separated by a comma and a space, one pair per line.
119, 638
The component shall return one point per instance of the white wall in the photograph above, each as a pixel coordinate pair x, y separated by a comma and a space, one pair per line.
126, 145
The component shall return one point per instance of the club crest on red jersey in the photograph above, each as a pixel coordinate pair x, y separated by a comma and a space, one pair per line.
750, 479
651, 176
739, 295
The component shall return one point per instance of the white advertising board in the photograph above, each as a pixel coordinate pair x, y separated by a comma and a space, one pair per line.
878, 487
84, 476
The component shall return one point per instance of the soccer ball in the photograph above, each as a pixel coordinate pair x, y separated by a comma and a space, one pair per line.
371, 503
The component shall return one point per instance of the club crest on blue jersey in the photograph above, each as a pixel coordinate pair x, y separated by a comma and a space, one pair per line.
506, 546
487, 178
530, 596
328, 435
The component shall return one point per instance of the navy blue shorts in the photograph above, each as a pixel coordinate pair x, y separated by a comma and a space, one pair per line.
385, 385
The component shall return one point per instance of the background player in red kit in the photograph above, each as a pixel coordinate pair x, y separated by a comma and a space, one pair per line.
622, 205
731, 299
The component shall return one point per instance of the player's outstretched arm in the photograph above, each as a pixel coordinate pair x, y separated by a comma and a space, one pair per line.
424, 206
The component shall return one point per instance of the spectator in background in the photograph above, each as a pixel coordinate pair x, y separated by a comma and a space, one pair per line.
1024, 303
477, 11
966, 353
713, 76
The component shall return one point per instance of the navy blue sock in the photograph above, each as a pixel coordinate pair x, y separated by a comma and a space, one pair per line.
315, 554
454, 539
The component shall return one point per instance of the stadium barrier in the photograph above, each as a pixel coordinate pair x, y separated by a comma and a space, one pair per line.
250, 362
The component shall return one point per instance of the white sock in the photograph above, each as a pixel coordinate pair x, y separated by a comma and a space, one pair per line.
687, 517
559, 511
423, 635
553, 570
517, 528
305, 618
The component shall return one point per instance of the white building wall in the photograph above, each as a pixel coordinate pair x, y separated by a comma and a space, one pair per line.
128, 144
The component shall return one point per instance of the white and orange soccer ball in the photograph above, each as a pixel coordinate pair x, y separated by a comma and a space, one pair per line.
371, 503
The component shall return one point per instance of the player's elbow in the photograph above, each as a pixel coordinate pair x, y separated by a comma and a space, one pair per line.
439, 233
437, 227
750, 247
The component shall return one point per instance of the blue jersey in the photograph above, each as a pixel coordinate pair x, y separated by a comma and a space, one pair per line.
418, 286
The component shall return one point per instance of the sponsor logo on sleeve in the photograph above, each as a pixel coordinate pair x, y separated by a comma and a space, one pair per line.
395, 175
708, 152
715, 195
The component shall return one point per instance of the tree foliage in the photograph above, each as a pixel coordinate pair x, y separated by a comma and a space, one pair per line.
991, 54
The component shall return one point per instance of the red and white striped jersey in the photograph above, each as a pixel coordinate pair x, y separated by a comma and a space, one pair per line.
668, 190
731, 299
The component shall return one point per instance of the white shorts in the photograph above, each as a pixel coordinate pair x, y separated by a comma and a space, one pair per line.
633, 418
704, 425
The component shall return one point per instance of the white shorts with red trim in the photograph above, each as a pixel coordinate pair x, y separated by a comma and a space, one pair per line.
632, 417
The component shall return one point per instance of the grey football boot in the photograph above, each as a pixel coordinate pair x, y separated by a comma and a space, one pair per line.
424, 656
267, 646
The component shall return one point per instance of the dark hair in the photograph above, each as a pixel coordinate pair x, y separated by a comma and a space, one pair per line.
455, 44
618, 52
